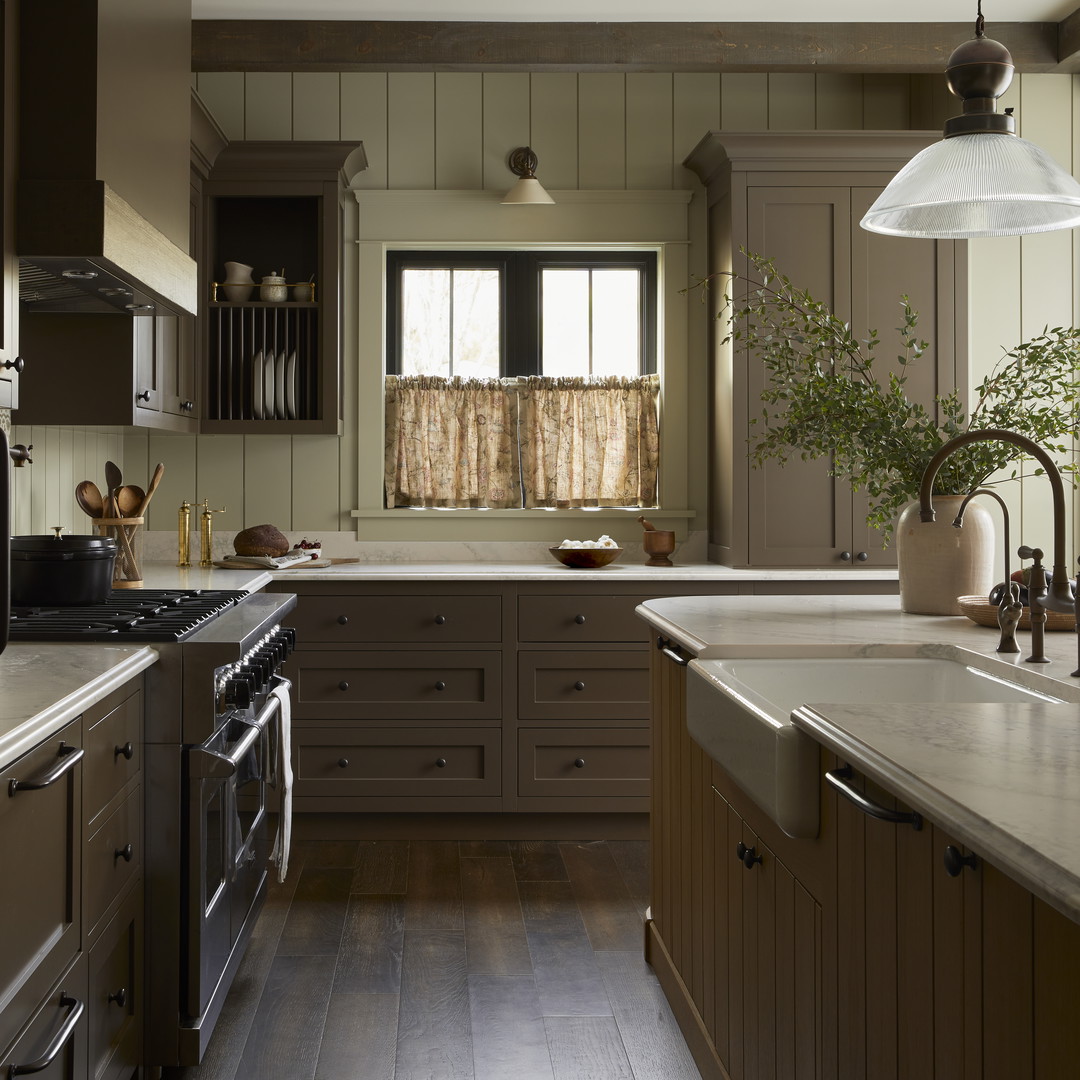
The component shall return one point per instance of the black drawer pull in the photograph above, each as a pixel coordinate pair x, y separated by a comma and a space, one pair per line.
579, 619
343, 685
440, 620
748, 856
343, 620
862, 556
838, 778
579, 763
52, 1052
955, 861
671, 651
127, 750
440, 685
120, 997
127, 853
845, 556
343, 762
579, 685
440, 763
69, 757
144, 396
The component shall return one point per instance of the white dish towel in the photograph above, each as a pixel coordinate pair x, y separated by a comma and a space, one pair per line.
280, 852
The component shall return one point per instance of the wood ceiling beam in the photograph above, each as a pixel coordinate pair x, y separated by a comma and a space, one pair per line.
1069, 42
257, 45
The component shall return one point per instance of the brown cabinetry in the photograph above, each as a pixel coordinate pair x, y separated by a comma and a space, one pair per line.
9, 265
798, 198
71, 925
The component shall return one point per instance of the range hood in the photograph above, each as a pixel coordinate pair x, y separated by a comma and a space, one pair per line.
103, 196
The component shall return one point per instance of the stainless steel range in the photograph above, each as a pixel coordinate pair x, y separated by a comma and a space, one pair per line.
212, 739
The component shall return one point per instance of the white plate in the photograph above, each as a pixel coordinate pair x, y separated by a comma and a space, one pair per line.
257, 385
290, 386
279, 386
268, 387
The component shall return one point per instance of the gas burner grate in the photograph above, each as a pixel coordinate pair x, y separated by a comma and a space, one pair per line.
149, 614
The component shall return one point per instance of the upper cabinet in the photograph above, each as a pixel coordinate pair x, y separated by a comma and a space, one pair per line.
272, 352
798, 199
9, 301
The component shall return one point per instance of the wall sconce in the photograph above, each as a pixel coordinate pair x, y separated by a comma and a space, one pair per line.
981, 179
528, 190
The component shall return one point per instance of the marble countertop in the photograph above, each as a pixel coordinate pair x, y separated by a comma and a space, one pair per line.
1002, 779
44, 685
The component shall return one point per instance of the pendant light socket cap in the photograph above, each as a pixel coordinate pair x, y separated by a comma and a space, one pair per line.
979, 68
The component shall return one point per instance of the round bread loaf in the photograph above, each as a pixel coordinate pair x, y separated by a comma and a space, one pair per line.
261, 540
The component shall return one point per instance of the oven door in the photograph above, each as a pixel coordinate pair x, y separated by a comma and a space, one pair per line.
227, 844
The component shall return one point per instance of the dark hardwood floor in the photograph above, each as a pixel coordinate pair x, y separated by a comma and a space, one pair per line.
446, 960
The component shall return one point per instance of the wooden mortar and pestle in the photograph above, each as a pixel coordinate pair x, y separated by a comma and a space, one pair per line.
658, 544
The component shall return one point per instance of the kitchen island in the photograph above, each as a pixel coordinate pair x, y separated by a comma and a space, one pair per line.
873, 948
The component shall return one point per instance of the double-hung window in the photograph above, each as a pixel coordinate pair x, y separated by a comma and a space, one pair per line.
521, 378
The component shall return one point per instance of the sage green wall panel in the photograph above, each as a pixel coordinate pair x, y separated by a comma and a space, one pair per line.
69, 511
177, 454
554, 126
49, 448
459, 148
838, 102
316, 105
268, 105
363, 119
695, 111
886, 102
505, 125
1046, 100
601, 130
219, 478
744, 101
410, 117
316, 487
348, 445
932, 103
791, 101
269, 480
649, 131
222, 93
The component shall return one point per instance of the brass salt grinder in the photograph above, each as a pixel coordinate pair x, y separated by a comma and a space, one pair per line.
206, 533
183, 534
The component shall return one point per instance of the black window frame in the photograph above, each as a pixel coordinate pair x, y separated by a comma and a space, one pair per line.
520, 296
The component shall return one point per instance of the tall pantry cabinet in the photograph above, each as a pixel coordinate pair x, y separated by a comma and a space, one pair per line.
797, 198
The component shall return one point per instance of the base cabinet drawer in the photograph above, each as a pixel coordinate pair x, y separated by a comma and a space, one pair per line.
114, 997
398, 761
579, 618
584, 686
113, 756
113, 858
419, 620
396, 685
56, 1036
568, 761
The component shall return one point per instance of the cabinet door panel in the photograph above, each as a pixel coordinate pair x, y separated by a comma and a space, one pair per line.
9, 299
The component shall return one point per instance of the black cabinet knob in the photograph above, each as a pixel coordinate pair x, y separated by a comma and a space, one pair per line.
342, 762
343, 620
579, 619
579, 685
144, 396
440, 763
127, 750
746, 855
440, 685
343, 685
955, 861
862, 556
18, 364
845, 556
187, 406
120, 997
440, 620
127, 853
579, 763
740, 851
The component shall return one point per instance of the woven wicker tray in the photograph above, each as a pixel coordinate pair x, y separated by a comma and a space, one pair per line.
979, 610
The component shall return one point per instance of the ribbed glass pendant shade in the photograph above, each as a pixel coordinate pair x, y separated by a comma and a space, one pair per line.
984, 184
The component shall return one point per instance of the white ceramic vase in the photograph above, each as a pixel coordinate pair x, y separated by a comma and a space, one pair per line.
239, 283
938, 562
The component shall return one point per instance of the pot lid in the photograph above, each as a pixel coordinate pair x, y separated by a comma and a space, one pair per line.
60, 546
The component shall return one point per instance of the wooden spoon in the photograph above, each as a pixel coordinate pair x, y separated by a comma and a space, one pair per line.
159, 472
114, 479
129, 499
89, 498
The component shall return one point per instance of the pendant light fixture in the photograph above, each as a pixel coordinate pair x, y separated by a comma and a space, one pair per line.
981, 179
528, 191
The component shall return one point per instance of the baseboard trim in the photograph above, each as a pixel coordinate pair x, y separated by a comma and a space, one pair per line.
427, 826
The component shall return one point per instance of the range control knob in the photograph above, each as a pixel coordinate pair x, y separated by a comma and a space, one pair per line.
258, 676
238, 692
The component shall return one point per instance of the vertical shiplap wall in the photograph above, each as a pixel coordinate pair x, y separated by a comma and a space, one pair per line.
453, 130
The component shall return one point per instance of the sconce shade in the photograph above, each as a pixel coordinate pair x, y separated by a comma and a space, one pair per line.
981, 179
528, 191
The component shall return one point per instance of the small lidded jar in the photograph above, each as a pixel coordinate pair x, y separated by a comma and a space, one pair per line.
273, 289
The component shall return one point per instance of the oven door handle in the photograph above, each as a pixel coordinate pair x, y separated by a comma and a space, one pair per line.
210, 764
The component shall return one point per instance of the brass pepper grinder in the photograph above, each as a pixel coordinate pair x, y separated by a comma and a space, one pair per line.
183, 534
206, 533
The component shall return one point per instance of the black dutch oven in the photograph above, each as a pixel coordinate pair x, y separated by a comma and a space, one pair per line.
61, 570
